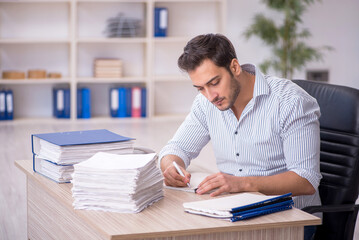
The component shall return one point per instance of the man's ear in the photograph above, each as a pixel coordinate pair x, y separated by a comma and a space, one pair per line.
235, 67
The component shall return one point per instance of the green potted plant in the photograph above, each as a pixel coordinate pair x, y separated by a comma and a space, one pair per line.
286, 40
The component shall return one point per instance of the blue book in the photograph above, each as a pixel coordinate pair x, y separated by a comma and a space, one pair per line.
161, 22
9, 101
79, 145
114, 102
2, 105
67, 103
79, 103
86, 103
143, 101
60, 173
122, 102
128, 102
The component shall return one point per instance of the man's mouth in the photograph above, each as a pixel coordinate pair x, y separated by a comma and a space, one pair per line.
218, 101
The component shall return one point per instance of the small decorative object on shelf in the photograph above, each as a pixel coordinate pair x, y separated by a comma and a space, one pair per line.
36, 74
121, 26
54, 75
13, 75
107, 68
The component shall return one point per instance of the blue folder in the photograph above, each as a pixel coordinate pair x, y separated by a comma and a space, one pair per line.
161, 22
114, 102
143, 101
79, 137
9, 102
79, 103
128, 102
67, 103
2, 105
122, 106
86, 103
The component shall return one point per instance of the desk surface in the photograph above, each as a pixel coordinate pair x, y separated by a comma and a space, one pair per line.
164, 217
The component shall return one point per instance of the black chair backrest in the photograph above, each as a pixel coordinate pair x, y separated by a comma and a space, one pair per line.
339, 154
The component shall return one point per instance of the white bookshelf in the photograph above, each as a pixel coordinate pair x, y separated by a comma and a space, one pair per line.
66, 37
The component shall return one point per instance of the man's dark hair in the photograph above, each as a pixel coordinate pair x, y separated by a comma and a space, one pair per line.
215, 47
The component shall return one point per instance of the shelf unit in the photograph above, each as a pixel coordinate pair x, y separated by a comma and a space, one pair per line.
66, 36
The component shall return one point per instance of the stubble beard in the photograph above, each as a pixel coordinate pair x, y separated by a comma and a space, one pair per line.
235, 90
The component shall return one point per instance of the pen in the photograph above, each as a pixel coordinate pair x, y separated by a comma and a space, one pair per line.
179, 171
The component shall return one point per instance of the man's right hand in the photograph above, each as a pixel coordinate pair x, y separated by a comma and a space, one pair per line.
170, 174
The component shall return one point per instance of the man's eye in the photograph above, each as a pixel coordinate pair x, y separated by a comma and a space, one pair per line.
214, 83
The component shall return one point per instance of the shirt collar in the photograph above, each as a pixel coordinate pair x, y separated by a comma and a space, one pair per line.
260, 85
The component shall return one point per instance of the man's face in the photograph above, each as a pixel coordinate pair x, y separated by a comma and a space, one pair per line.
216, 84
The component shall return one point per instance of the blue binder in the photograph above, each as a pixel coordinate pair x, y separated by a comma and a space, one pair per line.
128, 102
9, 108
114, 102
59, 102
122, 102
161, 22
86, 103
67, 103
2, 105
143, 101
79, 103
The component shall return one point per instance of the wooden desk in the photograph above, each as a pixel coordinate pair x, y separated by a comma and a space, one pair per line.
50, 215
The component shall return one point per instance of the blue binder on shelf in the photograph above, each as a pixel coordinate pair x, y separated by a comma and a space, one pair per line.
128, 102
122, 105
9, 105
161, 22
143, 101
79, 103
84, 103
67, 103
59, 102
114, 102
2, 105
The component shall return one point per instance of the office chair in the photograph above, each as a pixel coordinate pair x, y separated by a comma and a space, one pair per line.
339, 158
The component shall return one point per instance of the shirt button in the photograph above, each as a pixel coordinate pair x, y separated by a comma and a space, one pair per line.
240, 169
237, 154
235, 132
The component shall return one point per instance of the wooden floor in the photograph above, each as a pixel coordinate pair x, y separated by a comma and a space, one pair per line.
15, 144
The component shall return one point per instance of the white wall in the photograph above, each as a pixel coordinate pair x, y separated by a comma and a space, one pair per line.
331, 22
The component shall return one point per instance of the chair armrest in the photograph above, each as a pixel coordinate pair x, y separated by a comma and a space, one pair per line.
332, 208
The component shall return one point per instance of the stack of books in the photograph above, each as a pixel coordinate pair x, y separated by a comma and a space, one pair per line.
117, 183
107, 68
54, 154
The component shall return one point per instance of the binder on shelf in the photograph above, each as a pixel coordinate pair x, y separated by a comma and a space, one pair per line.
2, 105
161, 22
84, 103
136, 102
128, 102
143, 101
9, 108
67, 104
240, 206
114, 102
76, 146
122, 102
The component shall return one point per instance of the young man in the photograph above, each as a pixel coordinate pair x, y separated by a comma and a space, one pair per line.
264, 130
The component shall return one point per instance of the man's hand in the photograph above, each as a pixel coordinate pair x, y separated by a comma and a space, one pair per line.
222, 182
170, 174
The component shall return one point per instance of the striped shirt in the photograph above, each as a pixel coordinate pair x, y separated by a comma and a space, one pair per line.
278, 131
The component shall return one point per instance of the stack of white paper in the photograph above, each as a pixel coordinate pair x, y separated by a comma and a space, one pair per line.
117, 183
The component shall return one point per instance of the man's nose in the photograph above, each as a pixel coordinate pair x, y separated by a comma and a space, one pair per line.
210, 95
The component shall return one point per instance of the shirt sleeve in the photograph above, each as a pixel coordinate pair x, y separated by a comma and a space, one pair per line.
190, 137
301, 138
